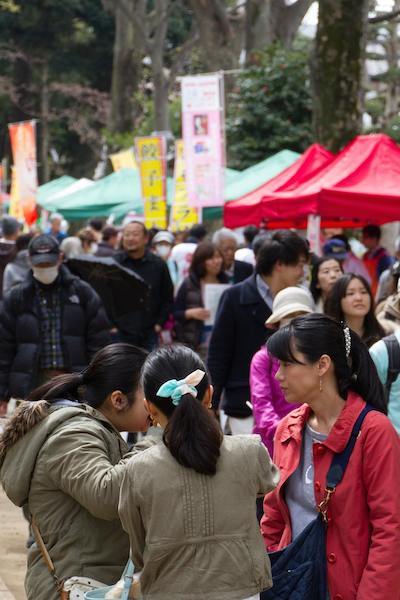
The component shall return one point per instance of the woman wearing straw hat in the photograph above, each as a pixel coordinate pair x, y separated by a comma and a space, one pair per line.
269, 404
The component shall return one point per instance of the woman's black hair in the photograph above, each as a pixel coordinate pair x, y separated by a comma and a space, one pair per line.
314, 289
115, 367
192, 434
203, 252
317, 334
373, 331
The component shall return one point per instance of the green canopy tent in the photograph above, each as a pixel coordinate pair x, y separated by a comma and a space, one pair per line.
47, 190
119, 193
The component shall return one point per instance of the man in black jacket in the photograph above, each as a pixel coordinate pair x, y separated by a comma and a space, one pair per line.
226, 242
51, 323
239, 329
141, 327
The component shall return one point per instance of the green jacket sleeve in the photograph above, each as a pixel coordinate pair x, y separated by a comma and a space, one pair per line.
79, 464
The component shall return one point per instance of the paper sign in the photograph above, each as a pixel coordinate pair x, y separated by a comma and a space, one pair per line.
150, 154
123, 160
212, 296
204, 139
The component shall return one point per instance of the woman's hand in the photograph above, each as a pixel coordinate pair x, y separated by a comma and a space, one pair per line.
200, 314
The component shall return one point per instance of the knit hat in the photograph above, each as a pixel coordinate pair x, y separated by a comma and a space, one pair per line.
289, 301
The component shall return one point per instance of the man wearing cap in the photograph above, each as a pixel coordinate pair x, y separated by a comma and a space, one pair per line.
339, 248
51, 323
162, 243
141, 327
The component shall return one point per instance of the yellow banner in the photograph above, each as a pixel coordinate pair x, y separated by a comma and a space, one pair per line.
150, 154
123, 160
182, 216
15, 209
23, 145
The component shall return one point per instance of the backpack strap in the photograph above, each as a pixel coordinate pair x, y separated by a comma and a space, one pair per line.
340, 462
393, 350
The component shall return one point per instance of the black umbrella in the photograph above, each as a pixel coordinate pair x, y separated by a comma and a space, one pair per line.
121, 290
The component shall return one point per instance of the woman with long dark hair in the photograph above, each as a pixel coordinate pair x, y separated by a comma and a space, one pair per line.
325, 272
189, 311
351, 301
188, 503
325, 367
60, 454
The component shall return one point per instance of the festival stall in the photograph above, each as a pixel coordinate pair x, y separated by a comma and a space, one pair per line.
361, 185
246, 210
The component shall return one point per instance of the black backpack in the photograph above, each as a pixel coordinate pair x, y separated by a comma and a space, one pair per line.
393, 349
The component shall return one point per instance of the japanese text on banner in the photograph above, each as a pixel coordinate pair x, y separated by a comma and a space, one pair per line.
183, 216
204, 139
23, 145
151, 157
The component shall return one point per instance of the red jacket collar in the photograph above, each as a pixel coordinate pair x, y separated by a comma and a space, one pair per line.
340, 432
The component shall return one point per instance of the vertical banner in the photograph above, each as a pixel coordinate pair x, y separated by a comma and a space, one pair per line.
23, 145
151, 158
314, 233
182, 215
123, 160
15, 209
203, 125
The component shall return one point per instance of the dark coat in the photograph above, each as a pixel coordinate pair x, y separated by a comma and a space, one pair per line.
239, 332
85, 329
138, 325
241, 271
188, 331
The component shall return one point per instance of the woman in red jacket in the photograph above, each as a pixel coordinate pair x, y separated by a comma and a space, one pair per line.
327, 368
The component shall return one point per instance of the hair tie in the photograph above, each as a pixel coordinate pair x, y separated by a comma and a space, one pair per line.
175, 389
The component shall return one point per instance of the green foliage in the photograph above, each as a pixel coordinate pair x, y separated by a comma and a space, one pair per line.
74, 41
270, 107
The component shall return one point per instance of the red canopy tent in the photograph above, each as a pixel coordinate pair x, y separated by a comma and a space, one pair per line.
361, 185
247, 209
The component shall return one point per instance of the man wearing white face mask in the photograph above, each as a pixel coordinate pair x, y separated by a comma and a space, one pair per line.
163, 243
51, 323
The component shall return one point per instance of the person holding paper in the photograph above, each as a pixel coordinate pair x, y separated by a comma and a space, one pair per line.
193, 326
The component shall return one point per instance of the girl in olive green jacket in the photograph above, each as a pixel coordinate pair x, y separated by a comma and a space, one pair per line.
188, 503
63, 459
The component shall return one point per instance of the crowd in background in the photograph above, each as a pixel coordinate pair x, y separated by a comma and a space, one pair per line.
270, 338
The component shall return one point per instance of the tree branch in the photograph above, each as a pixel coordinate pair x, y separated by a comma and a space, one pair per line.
385, 17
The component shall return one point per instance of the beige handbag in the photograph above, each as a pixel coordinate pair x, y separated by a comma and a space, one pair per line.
73, 588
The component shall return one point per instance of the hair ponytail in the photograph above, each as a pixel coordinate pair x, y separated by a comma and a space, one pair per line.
192, 434
62, 386
114, 367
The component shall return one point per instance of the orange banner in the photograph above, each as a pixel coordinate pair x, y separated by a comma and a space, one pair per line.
23, 145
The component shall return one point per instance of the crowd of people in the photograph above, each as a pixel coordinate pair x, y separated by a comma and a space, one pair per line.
260, 338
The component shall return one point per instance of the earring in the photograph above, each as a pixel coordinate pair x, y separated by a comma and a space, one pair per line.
209, 405
320, 384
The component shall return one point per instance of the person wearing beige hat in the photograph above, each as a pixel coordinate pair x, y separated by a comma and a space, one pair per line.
268, 401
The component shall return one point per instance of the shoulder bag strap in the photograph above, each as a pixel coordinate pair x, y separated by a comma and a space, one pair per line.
393, 349
340, 462
46, 556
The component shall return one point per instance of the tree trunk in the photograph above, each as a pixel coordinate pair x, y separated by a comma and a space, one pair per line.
220, 38
44, 122
126, 73
337, 71
269, 21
